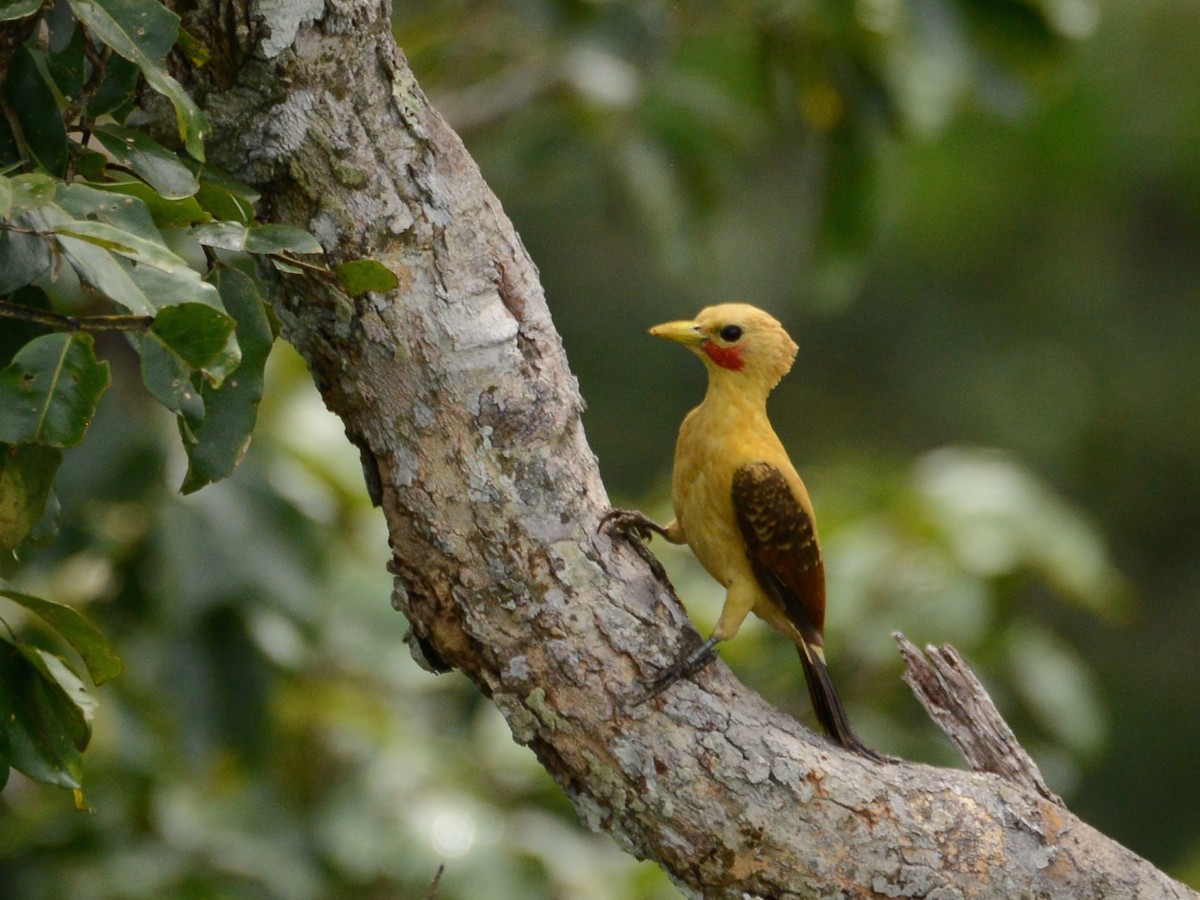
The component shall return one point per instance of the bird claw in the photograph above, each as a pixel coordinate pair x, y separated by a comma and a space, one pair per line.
684, 667
630, 523
637, 528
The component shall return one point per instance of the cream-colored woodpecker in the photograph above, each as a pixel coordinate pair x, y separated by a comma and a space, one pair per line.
740, 505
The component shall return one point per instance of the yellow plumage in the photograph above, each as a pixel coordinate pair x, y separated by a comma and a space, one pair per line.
739, 503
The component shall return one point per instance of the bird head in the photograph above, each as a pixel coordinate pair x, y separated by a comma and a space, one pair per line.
739, 344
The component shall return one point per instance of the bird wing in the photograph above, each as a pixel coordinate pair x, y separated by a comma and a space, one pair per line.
781, 541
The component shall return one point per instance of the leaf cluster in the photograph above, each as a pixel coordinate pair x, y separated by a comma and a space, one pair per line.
112, 222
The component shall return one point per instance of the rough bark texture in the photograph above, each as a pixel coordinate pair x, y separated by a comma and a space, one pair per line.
960, 704
456, 390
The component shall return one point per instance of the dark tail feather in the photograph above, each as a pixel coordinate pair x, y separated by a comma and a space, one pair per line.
830, 712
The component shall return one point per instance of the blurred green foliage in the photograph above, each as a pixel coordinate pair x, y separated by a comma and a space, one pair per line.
978, 219
94, 216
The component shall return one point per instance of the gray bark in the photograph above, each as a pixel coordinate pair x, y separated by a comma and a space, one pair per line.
456, 390
960, 704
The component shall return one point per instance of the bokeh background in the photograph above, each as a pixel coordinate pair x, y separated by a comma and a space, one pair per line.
980, 221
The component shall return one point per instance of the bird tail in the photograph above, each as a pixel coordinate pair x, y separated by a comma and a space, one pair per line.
830, 712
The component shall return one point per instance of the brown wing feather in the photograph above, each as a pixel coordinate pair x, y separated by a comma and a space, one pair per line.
782, 544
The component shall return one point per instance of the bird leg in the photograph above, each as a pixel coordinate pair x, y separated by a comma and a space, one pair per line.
684, 667
639, 528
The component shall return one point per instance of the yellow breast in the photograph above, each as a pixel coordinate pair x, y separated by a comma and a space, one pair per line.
719, 436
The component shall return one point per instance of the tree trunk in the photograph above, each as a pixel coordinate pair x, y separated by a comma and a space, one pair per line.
456, 390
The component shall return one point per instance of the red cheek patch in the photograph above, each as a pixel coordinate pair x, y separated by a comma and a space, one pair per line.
725, 357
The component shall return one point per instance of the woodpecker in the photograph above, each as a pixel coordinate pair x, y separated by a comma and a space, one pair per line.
741, 507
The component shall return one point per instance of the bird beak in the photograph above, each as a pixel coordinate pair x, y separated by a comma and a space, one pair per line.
686, 333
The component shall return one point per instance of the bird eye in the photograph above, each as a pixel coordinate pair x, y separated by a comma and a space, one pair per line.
731, 333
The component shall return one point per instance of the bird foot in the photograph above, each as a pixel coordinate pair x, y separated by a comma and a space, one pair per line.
637, 528
630, 523
684, 667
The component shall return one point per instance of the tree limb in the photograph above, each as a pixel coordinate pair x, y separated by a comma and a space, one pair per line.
956, 699
456, 390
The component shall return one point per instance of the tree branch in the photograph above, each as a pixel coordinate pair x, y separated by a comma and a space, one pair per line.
456, 390
59, 322
956, 699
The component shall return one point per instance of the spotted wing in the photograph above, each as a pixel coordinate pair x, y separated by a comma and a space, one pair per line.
781, 541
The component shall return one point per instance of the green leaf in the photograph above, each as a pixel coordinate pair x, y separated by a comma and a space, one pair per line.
164, 280
168, 378
45, 728
31, 191
26, 478
79, 709
83, 202
360, 276
18, 9
91, 165
183, 339
173, 288
36, 110
48, 394
166, 213
116, 90
17, 333
285, 267
62, 30
224, 363
221, 235
216, 445
157, 166
26, 257
196, 333
76, 629
140, 250
193, 49
226, 198
97, 267
256, 238
65, 64
190, 121
280, 239
142, 31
